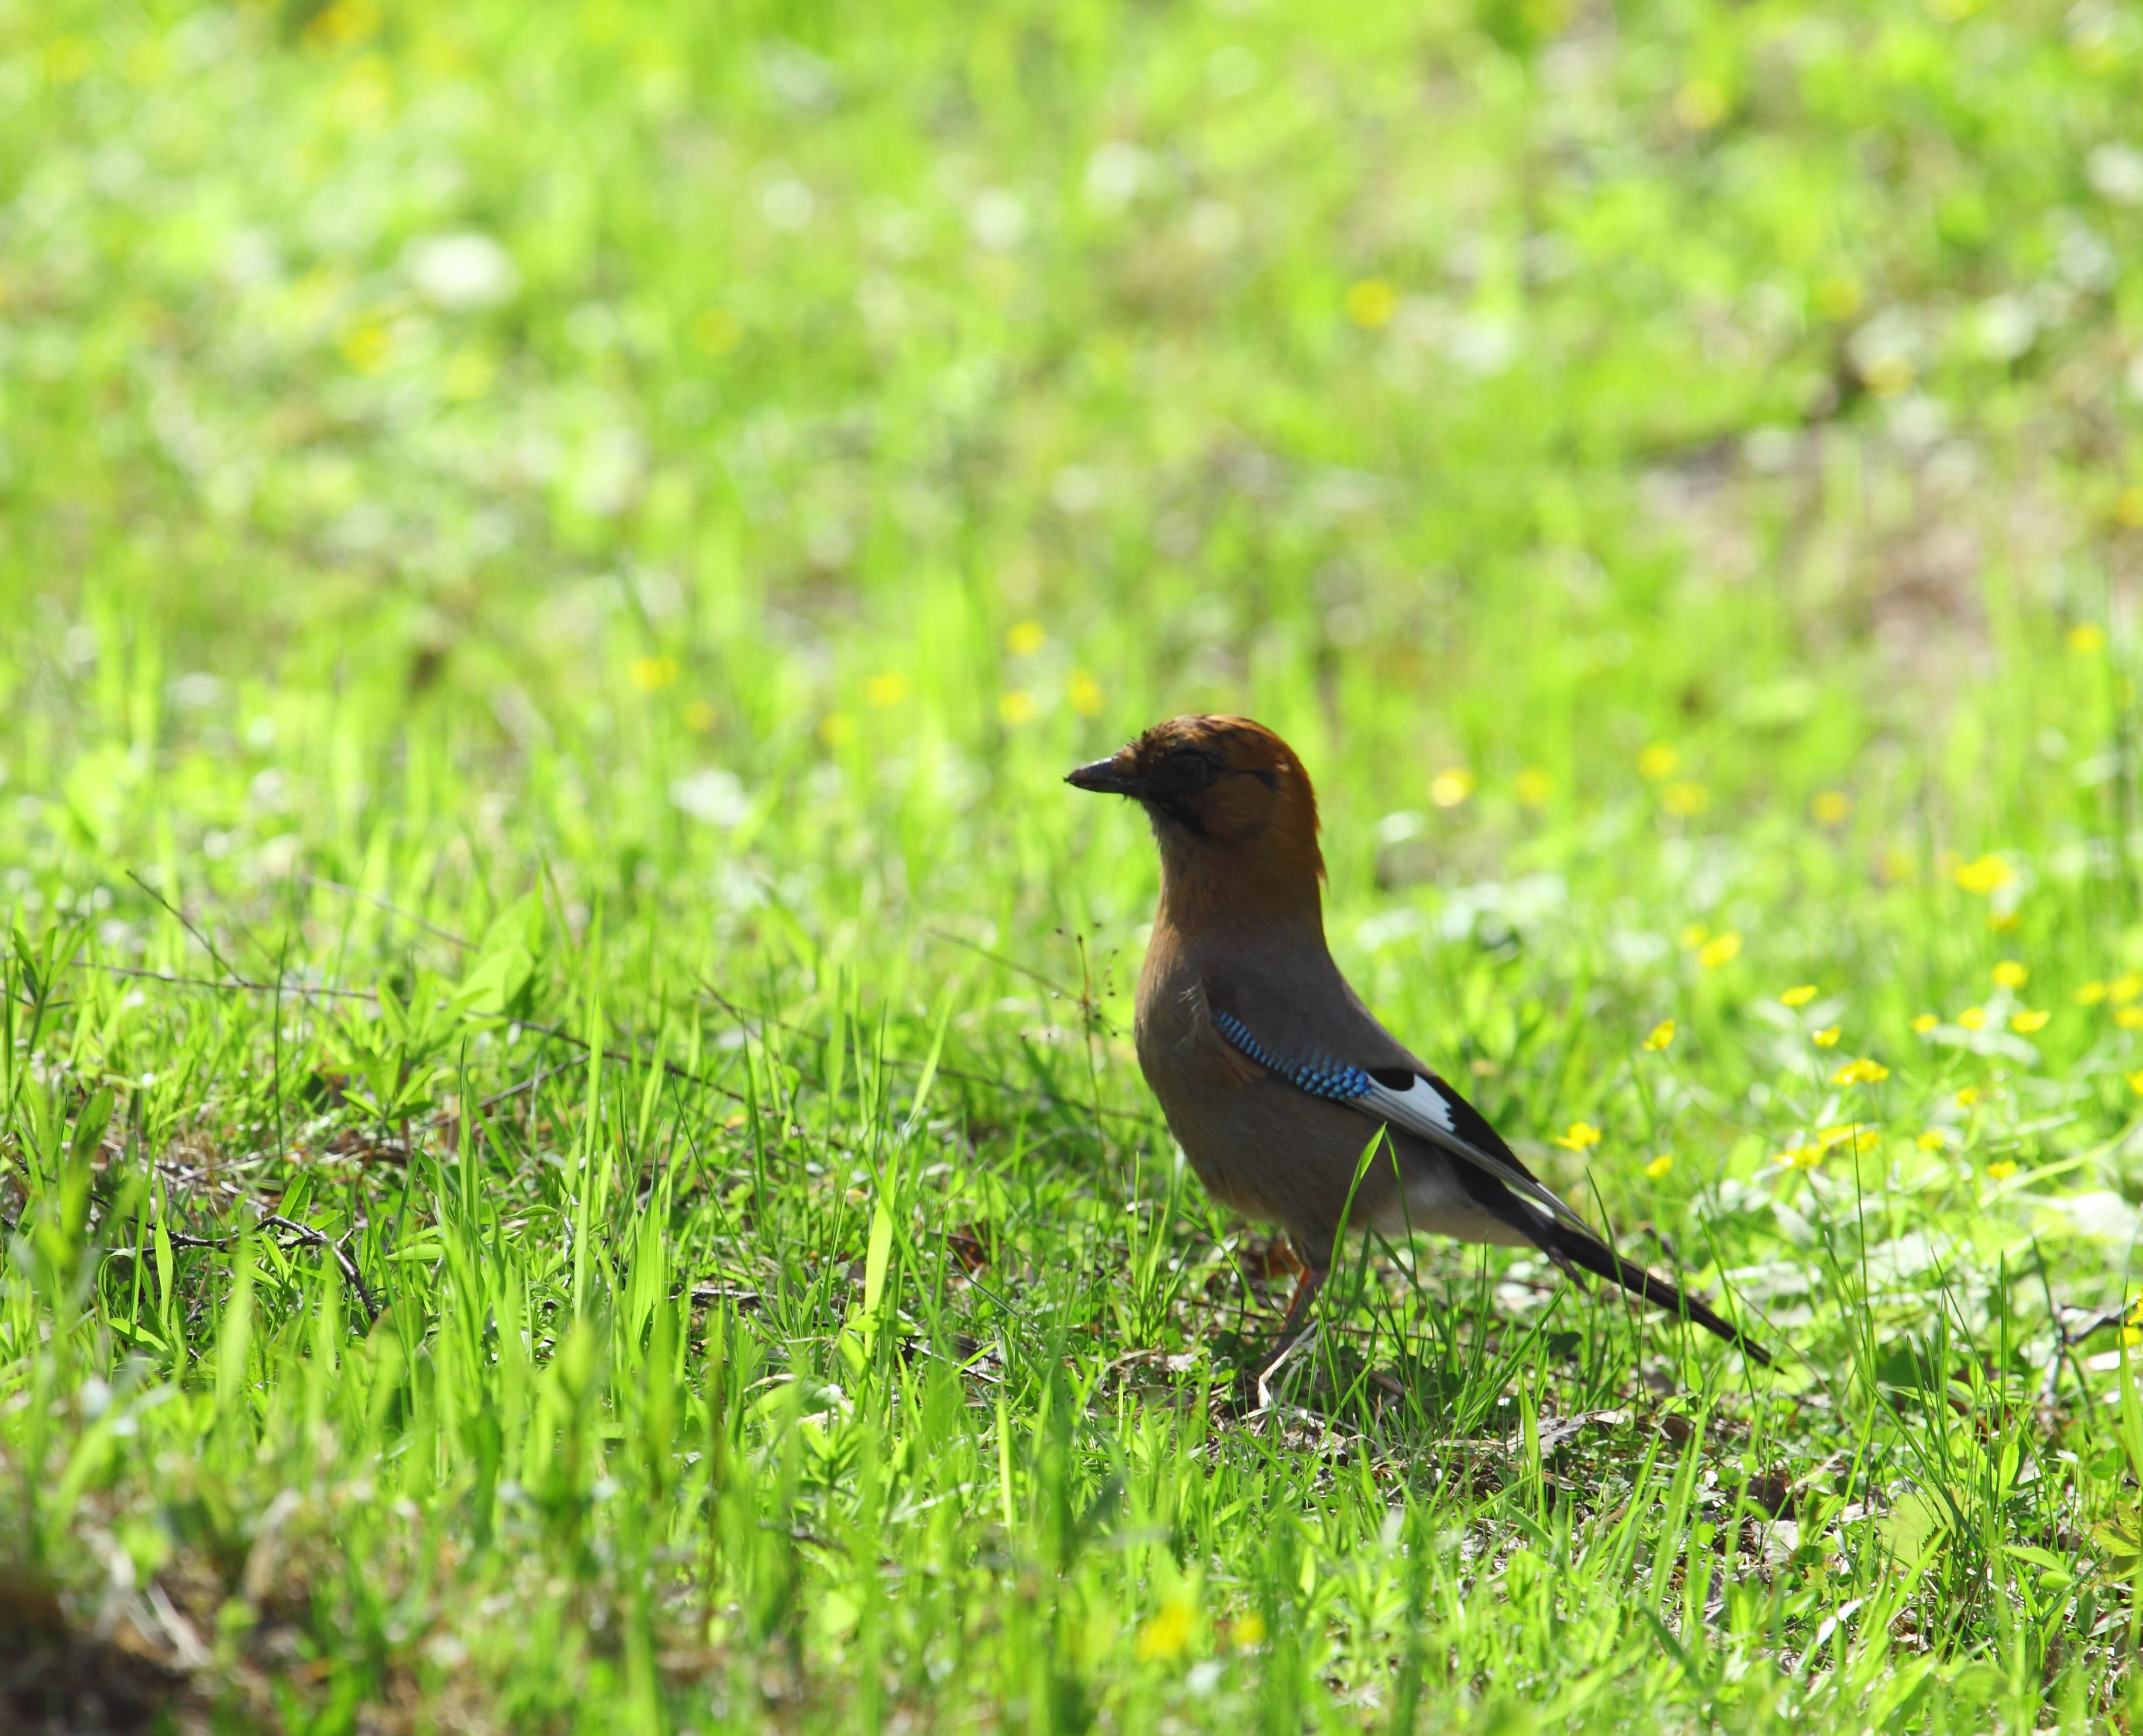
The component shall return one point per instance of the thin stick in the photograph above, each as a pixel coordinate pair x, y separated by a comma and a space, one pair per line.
1011, 1087
1010, 964
407, 916
301, 1233
180, 916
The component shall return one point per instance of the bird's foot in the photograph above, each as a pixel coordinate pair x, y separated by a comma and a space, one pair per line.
1292, 1337
1273, 1363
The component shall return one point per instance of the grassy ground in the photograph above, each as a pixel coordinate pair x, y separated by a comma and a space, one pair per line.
571, 1149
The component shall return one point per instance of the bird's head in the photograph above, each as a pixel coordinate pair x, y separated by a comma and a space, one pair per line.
1225, 795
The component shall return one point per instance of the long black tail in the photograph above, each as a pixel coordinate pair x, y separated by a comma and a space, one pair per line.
1563, 1242
1567, 1244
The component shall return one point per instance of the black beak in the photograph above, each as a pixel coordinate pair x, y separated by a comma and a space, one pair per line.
1103, 778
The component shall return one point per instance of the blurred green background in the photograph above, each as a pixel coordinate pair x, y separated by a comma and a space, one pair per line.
613, 519
1458, 387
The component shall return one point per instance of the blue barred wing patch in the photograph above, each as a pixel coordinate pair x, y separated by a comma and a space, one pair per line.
1320, 1078
1405, 1099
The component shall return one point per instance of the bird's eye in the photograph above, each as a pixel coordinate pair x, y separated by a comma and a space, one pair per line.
1188, 772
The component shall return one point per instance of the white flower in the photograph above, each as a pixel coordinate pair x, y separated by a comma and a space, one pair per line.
464, 270
1116, 173
2116, 173
997, 220
711, 795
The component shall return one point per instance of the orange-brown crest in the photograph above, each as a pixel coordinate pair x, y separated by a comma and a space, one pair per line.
1231, 805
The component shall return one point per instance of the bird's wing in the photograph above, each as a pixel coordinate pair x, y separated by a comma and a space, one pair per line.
1404, 1094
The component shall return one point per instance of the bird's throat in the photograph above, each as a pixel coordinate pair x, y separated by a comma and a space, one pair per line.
1264, 890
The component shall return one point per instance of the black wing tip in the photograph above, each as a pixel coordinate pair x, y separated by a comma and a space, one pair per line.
1596, 1256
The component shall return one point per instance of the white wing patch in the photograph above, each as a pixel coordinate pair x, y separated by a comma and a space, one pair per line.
1422, 1108
1418, 1107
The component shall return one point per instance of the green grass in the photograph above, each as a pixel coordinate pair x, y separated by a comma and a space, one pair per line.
568, 1128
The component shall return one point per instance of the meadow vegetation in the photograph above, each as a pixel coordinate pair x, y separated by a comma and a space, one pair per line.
570, 1158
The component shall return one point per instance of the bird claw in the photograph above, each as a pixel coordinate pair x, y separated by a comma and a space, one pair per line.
1293, 1336
1275, 1362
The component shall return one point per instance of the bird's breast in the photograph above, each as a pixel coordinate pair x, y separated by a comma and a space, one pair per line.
1256, 1142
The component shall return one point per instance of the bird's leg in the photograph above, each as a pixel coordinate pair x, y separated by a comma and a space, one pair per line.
1306, 1286
1307, 1283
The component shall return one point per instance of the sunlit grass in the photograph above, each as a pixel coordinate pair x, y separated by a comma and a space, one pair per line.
568, 1136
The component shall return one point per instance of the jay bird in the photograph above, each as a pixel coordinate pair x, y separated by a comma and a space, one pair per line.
1273, 1076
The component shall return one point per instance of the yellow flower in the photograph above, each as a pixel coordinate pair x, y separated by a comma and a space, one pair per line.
1581, 1136
1658, 1167
1934, 1140
470, 373
1371, 302
1967, 1095
2091, 994
718, 331
651, 674
1799, 1157
2129, 1018
2086, 638
1658, 761
2030, 1020
2126, 986
1720, 949
69, 58
2128, 508
1699, 105
835, 728
2001, 1171
1685, 798
1831, 807
365, 346
1662, 1034
2131, 1336
1448, 789
1532, 787
699, 717
1695, 935
1925, 1022
886, 689
1025, 639
1838, 297
1826, 1038
1860, 1072
1798, 996
1887, 376
1251, 1630
1974, 1018
2010, 974
345, 22
1986, 876
1085, 692
1016, 706
1167, 1632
